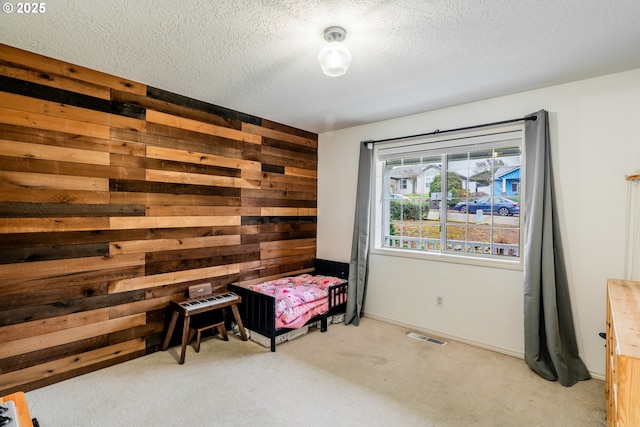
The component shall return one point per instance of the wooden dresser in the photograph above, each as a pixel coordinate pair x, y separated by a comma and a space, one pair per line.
622, 387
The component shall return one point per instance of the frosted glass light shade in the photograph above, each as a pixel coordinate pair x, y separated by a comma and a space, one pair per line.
334, 59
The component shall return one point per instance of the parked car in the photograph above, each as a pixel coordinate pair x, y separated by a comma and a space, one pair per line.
501, 206
399, 197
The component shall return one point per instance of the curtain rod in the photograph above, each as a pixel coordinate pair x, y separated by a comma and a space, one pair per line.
437, 131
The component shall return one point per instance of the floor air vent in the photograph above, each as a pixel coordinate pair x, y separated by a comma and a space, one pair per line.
426, 338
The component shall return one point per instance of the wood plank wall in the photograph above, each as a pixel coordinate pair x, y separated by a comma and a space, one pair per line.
115, 197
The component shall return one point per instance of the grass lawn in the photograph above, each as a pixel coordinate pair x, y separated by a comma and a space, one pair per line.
477, 233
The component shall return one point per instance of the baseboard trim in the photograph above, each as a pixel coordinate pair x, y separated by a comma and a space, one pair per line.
502, 350
506, 351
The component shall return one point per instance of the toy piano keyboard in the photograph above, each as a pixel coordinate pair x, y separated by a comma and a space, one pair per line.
14, 411
8, 414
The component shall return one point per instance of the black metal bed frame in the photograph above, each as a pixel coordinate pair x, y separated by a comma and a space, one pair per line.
258, 310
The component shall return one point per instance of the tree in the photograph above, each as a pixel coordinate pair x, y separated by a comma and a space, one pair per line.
454, 187
485, 170
454, 182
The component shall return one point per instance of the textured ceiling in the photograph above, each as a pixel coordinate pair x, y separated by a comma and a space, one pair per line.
409, 56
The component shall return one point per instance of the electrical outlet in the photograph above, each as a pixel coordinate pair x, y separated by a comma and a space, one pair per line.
439, 301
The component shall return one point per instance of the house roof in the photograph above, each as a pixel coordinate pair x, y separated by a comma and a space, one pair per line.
407, 171
412, 171
512, 172
409, 56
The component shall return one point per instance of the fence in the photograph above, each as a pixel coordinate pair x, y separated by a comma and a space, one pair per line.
424, 244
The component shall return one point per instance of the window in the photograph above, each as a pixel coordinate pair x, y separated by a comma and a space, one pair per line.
469, 204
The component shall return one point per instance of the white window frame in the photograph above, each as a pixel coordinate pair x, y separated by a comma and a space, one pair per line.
435, 145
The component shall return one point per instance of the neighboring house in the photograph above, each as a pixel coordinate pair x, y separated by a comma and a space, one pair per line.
408, 179
417, 179
507, 181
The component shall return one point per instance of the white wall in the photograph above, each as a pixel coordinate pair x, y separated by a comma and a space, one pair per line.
595, 143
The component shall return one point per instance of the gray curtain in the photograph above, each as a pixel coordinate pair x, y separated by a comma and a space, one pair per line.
549, 335
359, 265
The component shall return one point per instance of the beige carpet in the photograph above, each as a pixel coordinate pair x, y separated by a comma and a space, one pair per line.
371, 375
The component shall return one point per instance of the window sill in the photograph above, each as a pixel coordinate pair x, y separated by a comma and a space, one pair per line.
454, 259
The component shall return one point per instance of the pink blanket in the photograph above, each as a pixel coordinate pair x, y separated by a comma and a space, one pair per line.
298, 298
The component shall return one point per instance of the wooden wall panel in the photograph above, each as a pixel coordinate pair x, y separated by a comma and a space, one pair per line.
115, 197
45, 65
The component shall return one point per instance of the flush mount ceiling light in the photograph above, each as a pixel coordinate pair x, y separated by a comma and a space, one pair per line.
334, 58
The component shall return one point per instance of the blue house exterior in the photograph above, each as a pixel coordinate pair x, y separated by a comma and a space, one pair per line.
507, 182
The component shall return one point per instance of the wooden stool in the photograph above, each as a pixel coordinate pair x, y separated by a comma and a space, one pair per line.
192, 308
198, 327
198, 330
